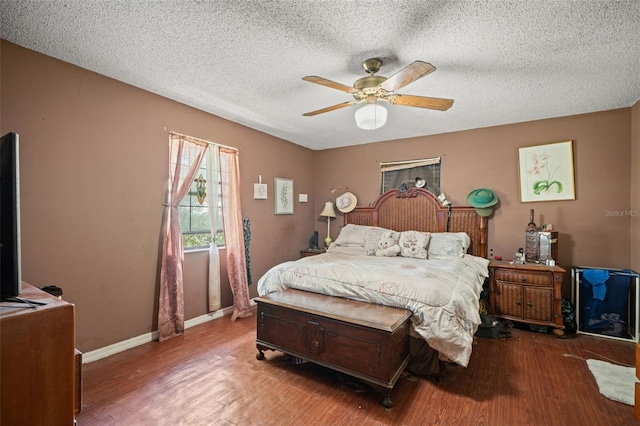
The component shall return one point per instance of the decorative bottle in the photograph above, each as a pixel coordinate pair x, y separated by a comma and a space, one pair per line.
531, 226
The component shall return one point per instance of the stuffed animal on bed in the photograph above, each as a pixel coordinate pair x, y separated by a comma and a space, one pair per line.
388, 245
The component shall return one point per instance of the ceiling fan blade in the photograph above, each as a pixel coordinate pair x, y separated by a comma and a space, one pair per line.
329, 83
407, 75
331, 108
421, 102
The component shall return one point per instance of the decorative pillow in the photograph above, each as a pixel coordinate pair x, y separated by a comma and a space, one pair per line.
414, 244
351, 235
449, 244
371, 238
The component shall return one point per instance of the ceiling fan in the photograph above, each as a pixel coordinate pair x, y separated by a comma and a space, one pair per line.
374, 88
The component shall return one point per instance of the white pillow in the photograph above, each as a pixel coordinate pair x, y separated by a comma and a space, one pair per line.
414, 244
353, 235
371, 238
449, 244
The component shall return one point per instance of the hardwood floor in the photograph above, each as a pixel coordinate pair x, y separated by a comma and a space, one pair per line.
210, 376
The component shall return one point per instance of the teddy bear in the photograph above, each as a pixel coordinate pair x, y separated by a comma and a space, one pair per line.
388, 245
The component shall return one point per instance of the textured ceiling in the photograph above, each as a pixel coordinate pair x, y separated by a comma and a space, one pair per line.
501, 61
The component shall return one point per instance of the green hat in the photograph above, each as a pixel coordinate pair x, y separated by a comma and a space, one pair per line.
483, 200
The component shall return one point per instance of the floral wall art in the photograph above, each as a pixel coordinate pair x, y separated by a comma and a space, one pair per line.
546, 172
283, 195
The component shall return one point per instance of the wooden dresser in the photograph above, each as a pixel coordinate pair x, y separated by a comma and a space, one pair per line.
364, 340
529, 293
39, 363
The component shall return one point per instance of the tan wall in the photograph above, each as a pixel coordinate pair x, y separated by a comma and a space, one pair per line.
488, 158
635, 187
94, 160
94, 167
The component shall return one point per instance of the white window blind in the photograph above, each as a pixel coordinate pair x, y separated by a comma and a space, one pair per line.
396, 172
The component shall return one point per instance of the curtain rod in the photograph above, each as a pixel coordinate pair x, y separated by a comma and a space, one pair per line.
434, 160
204, 141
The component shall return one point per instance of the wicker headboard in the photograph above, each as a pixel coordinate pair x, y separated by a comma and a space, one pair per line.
418, 209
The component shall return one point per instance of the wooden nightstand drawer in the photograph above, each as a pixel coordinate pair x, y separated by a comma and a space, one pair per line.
524, 277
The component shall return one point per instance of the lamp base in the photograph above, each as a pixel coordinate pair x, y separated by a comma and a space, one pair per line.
327, 242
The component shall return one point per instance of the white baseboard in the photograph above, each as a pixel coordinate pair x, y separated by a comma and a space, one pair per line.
97, 354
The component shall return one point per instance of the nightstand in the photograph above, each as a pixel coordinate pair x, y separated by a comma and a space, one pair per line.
529, 293
310, 252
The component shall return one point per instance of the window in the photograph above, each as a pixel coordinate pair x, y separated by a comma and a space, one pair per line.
193, 213
393, 174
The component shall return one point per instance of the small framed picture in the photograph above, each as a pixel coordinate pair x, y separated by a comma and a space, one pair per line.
260, 191
283, 195
546, 172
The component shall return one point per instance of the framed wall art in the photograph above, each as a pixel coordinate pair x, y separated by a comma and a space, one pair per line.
283, 195
259, 191
546, 172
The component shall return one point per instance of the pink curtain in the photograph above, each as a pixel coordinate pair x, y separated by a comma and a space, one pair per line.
185, 156
213, 187
233, 234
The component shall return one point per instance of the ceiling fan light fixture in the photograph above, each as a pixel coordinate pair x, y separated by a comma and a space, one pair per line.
371, 116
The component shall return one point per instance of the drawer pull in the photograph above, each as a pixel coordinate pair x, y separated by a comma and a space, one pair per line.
523, 279
518, 302
529, 304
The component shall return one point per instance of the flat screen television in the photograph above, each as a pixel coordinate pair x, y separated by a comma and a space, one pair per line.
10, 254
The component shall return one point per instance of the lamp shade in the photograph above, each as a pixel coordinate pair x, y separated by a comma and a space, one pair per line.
328, 210
371, 116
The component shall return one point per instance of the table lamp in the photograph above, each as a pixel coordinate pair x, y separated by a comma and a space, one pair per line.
328, 212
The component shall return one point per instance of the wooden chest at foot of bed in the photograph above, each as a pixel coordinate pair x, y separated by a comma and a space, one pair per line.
364, 340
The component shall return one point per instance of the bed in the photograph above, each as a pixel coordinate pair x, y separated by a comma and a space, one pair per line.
441, 293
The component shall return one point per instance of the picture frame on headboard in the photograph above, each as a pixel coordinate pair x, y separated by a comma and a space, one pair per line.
546, 172
283, 196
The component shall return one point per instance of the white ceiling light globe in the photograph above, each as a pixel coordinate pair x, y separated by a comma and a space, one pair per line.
371, 117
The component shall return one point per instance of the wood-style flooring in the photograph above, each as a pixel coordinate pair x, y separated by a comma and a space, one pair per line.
210, 376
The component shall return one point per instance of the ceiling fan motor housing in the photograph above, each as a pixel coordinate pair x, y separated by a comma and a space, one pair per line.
369, 84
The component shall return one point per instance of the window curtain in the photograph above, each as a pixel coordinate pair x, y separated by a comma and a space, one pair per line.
233, 234
213, 179
184, 160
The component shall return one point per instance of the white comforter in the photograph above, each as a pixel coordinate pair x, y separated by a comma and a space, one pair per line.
441, 292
